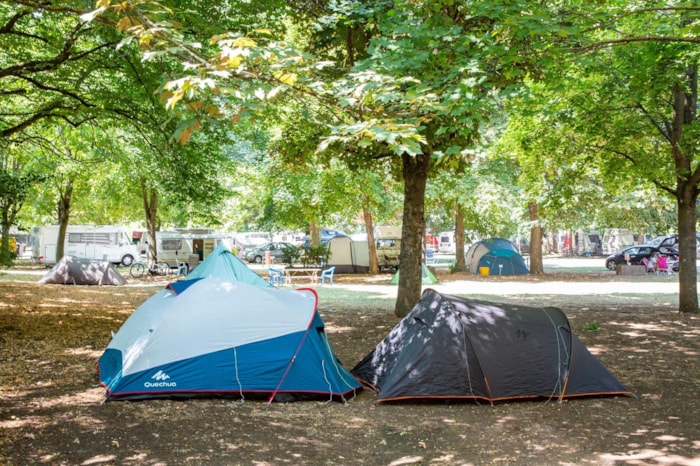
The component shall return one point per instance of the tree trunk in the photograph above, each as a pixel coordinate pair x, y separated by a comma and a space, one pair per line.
536, 266
371, 244
5, 254
314, 235
9, 214
460, 263
149, 197
415, 175
63, 211
687, 249
684, 105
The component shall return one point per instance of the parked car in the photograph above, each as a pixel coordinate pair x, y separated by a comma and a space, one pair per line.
326, 235
637, 254
257, 255
671, 241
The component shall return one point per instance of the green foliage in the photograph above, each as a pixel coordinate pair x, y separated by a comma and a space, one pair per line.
315, 255
291, 254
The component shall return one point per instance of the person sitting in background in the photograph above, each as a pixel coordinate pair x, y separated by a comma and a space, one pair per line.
653, 262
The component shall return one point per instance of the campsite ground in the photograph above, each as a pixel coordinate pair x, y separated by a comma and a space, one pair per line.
52, 410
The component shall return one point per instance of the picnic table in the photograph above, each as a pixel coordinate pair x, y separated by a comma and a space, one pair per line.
308, 273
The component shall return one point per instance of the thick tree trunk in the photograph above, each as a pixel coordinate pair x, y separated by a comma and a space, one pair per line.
460, 263
149, 197
314, 234
371, 244
63, 211
687, 249
684, 114
415, 175
536, 265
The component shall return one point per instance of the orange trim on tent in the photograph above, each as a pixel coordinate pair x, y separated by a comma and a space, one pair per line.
505, 398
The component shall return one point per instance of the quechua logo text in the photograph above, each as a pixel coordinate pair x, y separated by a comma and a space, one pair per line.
160, 380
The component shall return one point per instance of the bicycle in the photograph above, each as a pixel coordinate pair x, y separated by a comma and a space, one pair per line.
138, 269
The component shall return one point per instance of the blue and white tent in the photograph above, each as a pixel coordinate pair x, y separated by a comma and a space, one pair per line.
211, 336
498, 254
222, 263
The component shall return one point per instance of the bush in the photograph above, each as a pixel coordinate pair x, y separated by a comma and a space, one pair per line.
315, 256
291, 254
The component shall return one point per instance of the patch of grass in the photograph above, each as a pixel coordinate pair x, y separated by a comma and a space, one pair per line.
21, 277
330, 299
591, 326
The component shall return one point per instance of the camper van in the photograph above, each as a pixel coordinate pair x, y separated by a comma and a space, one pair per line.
106, 242
388, 241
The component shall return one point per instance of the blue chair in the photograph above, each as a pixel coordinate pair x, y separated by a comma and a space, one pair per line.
276, 277
328, 273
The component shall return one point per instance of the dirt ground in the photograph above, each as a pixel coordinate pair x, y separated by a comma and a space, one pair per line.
52, 409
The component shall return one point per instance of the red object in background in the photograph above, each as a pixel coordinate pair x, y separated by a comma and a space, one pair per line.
431, 241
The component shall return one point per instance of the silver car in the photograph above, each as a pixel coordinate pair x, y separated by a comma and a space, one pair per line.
257, 255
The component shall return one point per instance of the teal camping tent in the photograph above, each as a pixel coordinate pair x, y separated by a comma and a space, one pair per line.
427, 277
500, 256
222, 263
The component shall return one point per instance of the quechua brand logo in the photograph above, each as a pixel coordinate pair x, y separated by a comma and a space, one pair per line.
160, 380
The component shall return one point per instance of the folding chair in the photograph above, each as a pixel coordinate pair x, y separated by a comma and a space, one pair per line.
663, 266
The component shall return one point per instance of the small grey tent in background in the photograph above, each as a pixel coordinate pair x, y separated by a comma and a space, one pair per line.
72, 270
452, 347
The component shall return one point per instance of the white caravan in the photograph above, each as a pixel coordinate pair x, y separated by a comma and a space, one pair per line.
616, 239
179, 246
105, 242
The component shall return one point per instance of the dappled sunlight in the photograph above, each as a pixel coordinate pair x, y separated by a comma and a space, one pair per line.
651, 327
381, 291
646, 456
102, 459
597, 350
24, 422
84, 398
406, 460
54, 410
332, 328
89, 352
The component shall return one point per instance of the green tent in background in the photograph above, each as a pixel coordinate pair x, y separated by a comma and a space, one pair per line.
222, 263
428, 277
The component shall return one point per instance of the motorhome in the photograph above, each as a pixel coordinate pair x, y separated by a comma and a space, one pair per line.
106, 242
446, 242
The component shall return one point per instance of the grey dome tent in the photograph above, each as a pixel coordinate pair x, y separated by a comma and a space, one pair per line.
452, 347
499, 255
71, 270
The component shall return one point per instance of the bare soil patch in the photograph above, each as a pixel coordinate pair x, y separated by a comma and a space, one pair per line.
52, 409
